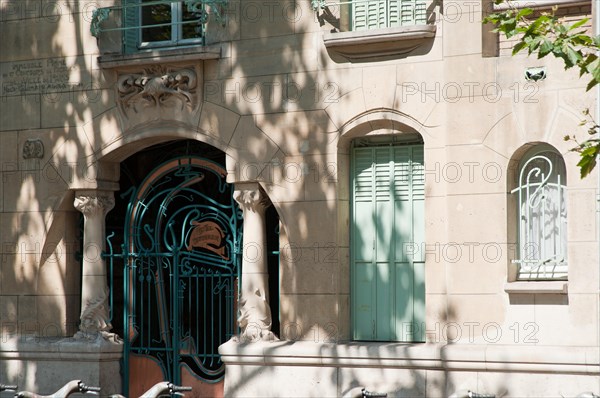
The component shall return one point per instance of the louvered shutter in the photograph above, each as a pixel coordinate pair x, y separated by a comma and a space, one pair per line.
370, 14
376, 14
363, 236
416, 254
407, 12
394, 12
131, 20
387, 243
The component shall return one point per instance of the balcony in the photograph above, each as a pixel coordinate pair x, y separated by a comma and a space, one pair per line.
154, 31
366, 30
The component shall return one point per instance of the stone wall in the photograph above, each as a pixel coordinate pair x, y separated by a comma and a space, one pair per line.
285, 108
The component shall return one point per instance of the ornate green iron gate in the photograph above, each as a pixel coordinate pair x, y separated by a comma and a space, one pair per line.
180, 259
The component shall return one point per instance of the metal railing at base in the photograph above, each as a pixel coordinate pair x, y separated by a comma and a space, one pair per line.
362, 392
471, 394
72, 387
8, 387
160, 389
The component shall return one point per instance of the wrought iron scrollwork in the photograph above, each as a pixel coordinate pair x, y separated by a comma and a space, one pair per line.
98, 16
182, 229
541, 215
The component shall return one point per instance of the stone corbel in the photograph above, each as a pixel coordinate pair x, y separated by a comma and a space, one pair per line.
255, 318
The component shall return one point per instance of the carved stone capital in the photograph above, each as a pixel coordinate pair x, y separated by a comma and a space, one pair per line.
251, 198
94, 203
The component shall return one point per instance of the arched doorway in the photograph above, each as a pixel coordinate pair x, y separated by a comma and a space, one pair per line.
173, 243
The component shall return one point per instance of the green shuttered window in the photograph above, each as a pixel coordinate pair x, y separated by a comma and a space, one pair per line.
387, 243
161, 23
377, 14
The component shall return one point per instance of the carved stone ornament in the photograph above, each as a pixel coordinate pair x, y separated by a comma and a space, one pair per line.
255, 318
157, 87
33, 149
94, 317
251, 199
91, 205
94, 324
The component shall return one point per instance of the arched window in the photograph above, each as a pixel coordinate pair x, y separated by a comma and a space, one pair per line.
542, 215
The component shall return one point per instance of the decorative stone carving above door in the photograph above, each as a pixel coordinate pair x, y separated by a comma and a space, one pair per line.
158, 93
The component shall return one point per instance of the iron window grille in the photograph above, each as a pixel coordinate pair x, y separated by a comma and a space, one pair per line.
542, 216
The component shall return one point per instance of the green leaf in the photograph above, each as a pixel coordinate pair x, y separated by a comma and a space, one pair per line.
587, 163
574, 55
591, 64
534, 43
578, 23
546, 48
508, 27
518, 47
524, 12
533, 27
561, 29
594, 69
581, 39
589, 151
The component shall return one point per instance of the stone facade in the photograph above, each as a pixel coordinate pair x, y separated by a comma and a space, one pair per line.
284, 97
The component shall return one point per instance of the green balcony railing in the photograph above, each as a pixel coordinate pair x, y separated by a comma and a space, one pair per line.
157, 22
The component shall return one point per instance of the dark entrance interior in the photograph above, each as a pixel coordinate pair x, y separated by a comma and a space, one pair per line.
174, 244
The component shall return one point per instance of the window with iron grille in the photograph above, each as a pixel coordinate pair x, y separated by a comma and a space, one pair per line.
542, 215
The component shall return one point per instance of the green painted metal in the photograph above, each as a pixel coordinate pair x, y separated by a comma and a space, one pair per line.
131, 22
387, 243
316, 4
181, 14
181, 260
98, 16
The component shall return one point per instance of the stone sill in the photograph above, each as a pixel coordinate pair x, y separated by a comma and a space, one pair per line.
356, 46
55, 349
472, 357
159, 56
537, 287
540, 4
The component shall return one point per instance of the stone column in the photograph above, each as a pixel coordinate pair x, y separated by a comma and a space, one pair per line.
255, 314
94, 205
